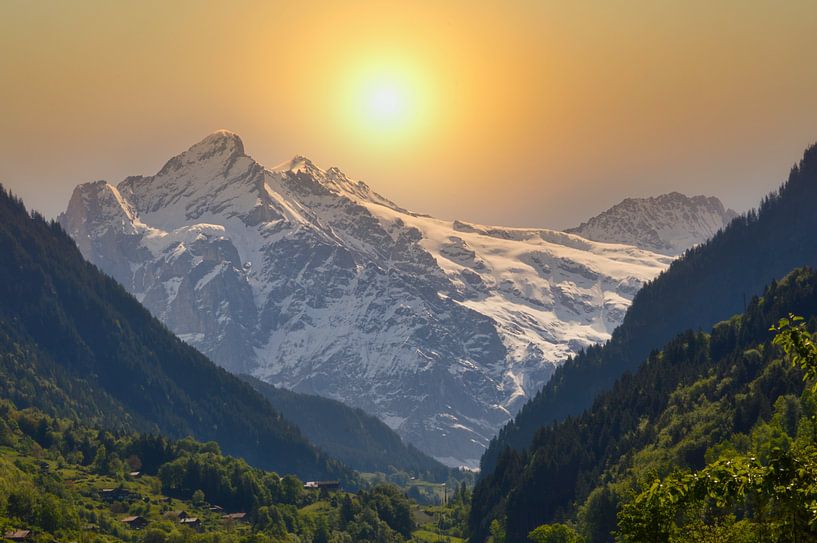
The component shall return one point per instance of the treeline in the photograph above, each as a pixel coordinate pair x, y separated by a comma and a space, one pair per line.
759, 489
36, 449
679, 410
183, 467
709, 283
227, 481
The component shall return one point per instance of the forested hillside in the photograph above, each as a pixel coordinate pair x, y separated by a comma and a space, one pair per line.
709, 283
703, 396
359, 440
75, 344
65, 481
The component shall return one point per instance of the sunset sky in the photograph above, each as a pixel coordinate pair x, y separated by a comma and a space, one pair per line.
525, 113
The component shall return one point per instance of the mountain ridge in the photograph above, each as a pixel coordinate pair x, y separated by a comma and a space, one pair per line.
359, 440
309, 280
74, 343
669, 224
709, 283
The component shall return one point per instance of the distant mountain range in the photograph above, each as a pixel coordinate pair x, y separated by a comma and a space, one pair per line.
312, 281
668, 224
711, 282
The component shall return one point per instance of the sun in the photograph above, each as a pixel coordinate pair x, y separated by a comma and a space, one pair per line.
385, 102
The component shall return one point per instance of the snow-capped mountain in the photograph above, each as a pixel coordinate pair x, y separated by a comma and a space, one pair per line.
667, 224
312, 281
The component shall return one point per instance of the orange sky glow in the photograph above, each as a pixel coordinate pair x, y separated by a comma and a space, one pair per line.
525, 113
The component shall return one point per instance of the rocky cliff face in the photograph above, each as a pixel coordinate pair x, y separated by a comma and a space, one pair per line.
312, 281
668, 224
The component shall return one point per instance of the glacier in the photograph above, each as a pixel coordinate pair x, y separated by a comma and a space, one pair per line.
312, 281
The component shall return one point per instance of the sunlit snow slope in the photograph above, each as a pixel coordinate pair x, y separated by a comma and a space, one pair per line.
667, 224
312, 281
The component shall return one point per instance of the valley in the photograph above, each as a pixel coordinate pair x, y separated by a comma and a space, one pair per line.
567, 470
299, 271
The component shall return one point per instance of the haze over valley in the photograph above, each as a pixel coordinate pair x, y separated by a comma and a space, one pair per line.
408, 272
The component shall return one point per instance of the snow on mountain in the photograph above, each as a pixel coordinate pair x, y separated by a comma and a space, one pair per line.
312, 281
668, 224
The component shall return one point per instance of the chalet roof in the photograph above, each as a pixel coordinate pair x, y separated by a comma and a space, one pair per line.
321, 484
189, 520
235, 516
16, 535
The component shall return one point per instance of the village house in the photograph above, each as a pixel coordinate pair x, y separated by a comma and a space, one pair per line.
178, 515
323, 485
18, 535
135, 522
191, 522
118, 494
236, 517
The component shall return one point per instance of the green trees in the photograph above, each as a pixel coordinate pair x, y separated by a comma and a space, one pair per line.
226, 481
391, 506
776, 501
197, 498
29, 504
701, 398
554, 533
743, 497
598, 515
798, 344
57, 491
382, 514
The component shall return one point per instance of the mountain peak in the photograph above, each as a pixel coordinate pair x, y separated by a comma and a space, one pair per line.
669, 224
222, 135
218, 143
293, 273
221, 148
196, 180
296, 164
99, 199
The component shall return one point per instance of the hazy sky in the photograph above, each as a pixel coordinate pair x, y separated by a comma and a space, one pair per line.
527, 113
